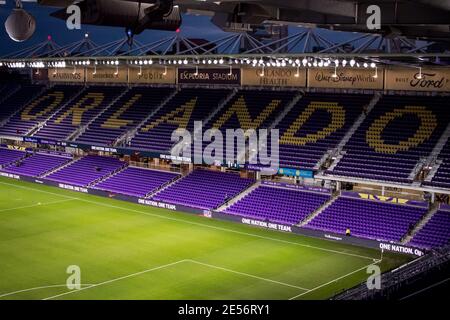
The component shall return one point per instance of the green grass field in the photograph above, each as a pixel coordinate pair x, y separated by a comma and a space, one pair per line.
130, 251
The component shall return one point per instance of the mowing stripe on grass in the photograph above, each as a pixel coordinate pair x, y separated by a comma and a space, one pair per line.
199, 224
246, 274
37, 205
39, 288
337, 279
117, 279
169, 265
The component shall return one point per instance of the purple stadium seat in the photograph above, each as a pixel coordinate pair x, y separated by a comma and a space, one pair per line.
136, 181
204, 189
37, 164
368, 219
86, 170
278, 204
8, 156
435, 233
364, 161
126, 113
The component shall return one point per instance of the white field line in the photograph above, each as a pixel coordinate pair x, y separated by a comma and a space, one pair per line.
39, 288
246, 274
37, 205
201, 224
162, 267
337, 279
38, 190
116, 279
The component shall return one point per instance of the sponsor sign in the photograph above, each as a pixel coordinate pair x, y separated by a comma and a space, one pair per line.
16, 148
73, 188
367, 196
400, 249
266, 224
40, 74
346, 78
67, 74
209, 76
296, 173
298, 187
107, 75
413, 79
274, 77
157, 204
175, 158
207, 214
152, 75
104, 149
9, 175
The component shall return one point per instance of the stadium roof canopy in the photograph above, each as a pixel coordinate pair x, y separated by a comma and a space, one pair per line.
306, 44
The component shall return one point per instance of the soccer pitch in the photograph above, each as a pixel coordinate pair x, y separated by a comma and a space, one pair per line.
130, 251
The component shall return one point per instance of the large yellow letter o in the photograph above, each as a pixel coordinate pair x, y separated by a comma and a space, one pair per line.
428, 123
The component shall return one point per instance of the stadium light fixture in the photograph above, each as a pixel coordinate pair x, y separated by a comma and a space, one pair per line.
419, 76
231, 71
74, 70
117, 71
304, 62
297, 74
140, 71
375, 76
95, 70
196, 71
165, 71
334, 76
262, 72
352, 63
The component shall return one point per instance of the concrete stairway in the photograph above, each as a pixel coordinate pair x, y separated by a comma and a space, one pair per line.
318, 211
238, 197
129, 135
407, 238
38, 126
44, 175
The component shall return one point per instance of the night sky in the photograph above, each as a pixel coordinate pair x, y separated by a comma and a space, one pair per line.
46, 25
193, 26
